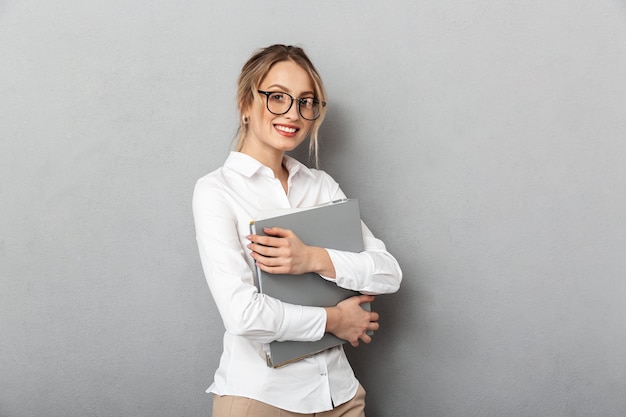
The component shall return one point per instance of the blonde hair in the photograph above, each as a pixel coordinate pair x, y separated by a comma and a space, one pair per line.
255, 70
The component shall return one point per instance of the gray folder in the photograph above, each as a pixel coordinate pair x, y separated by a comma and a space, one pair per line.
335, 225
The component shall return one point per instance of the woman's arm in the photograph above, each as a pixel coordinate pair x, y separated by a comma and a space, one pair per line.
282, 252
373, 271
349, 321
229, 274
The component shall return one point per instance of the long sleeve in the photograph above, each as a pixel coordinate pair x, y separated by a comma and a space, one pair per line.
229, 274
373, 271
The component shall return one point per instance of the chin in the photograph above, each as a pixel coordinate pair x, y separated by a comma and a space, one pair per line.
290, 145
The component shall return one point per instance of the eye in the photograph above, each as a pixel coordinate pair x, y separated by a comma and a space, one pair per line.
278, 97
308, 103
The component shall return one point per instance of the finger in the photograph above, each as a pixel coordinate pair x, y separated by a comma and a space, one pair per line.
374, 316
268, 241
360, 299
364, 298
366, 338
269, 250
268, 262
277, 232
272, 269
262, 249
264, 259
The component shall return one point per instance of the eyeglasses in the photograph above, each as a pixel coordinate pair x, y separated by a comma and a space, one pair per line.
279, 103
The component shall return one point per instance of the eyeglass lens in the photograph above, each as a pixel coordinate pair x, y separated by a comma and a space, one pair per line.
280, 103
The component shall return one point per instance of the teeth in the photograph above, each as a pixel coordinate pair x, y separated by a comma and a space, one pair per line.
286, 129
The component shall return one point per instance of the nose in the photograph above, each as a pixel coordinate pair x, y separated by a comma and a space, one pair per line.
293, 112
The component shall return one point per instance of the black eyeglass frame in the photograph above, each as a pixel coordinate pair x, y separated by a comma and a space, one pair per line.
267, 95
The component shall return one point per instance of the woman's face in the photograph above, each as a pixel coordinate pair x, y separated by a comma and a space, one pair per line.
270, 133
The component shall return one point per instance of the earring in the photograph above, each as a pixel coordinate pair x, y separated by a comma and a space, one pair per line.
245, 120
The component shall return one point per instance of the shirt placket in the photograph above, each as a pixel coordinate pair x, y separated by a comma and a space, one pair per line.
280, 192
324, 378
272, 195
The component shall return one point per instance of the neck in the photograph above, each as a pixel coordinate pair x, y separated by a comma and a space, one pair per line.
276, 165
272, 160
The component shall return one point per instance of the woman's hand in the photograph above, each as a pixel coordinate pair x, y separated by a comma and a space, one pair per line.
282, 252
349, 321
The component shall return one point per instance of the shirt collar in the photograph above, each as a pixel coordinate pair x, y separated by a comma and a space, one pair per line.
248, 166
294, 166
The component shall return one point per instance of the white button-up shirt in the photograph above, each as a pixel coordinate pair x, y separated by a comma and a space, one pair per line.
224, 202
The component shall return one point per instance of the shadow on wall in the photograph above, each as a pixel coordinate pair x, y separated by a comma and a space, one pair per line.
332, 140
388, 361
385, 359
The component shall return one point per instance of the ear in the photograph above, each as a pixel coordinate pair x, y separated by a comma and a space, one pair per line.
244, 113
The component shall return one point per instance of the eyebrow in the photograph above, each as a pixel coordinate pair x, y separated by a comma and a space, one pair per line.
285, 89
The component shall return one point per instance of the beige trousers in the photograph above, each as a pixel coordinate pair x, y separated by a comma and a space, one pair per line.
232, 406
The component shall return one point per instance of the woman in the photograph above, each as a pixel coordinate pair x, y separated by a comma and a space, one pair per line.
281, 102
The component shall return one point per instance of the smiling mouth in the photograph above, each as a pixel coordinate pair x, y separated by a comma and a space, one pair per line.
286, 129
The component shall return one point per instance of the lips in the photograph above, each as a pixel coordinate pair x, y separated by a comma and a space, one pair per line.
286, 130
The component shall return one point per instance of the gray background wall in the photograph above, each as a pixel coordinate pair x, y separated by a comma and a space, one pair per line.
485, 140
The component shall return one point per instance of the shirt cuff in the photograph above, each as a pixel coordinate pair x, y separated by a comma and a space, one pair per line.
353, 271
302, 323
